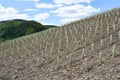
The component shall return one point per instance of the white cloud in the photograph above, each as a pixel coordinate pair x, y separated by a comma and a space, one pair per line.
41, 16
11, 13
6, 10
71, 1
48, 23
66, 20
29, 0
45, 5
75, 11
30, 10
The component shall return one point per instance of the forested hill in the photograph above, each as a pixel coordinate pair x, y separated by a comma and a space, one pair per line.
12, 29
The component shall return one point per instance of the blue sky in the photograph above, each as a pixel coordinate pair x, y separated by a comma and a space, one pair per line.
57, 12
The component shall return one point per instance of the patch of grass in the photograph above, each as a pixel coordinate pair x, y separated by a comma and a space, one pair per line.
4, 78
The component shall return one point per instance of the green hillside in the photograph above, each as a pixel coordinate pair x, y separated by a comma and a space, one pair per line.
17, 28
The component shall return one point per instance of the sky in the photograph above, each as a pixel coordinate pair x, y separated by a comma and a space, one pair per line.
53, 12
